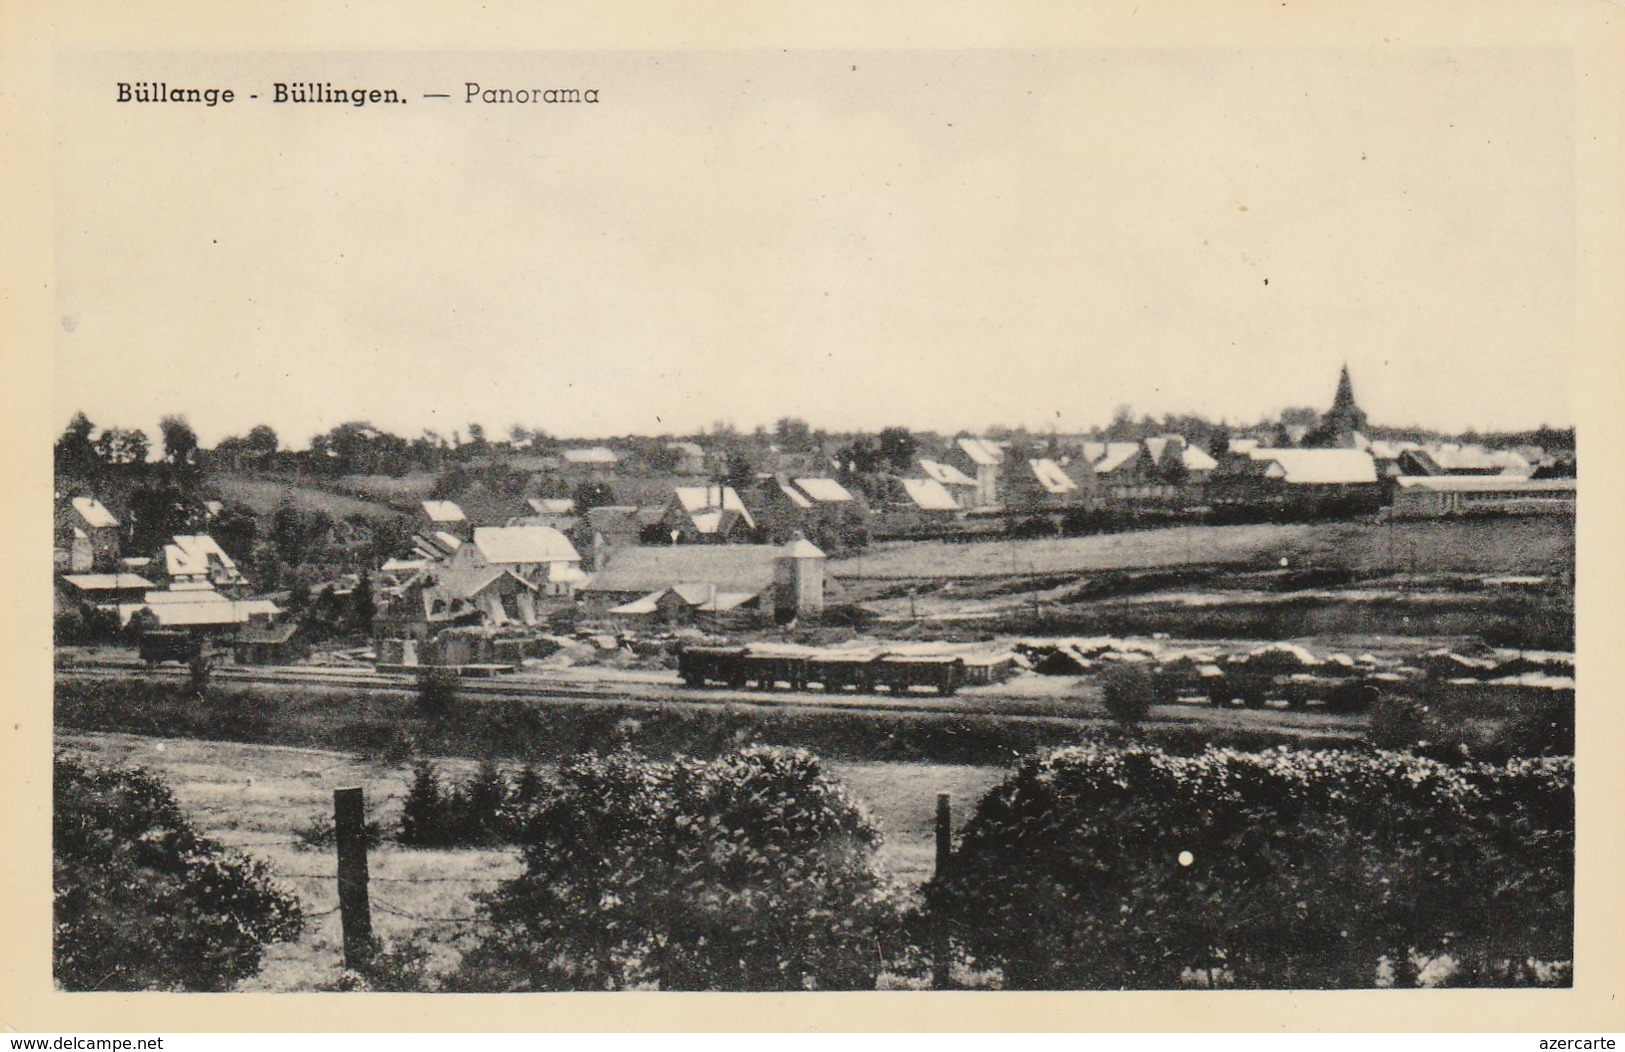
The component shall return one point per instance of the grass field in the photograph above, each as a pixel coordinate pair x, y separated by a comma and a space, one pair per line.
265, 495
1487, 546
254, 797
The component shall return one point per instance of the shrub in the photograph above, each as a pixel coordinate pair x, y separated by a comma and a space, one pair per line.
1128, 692
143, 901
1304, 870
425, 818
754, 871
436, 692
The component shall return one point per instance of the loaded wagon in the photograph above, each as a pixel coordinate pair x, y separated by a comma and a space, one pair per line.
158, 646
701, 665
797, 668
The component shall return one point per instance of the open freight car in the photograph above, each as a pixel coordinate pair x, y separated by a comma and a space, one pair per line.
798, 668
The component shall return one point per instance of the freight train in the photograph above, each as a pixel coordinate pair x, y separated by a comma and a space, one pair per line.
798, 668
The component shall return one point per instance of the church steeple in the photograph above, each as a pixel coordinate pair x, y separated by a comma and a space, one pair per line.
1344, 399
1338, 426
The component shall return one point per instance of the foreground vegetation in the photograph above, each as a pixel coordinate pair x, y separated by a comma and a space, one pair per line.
1110, 865
142, 900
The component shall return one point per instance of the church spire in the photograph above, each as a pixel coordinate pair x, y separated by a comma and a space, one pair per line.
1344, 399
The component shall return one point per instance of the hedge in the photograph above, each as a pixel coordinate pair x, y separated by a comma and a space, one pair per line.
1105, 867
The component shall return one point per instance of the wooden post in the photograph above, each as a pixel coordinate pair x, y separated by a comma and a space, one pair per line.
939, 926
355, 912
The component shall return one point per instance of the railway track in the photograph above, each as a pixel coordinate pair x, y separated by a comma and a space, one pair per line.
552, 690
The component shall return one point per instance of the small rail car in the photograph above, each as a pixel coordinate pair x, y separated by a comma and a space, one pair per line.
158, 646
701, 665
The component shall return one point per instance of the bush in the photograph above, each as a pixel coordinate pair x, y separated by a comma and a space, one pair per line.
1126, 868
1128, 692
436, 693
750, 872
483, 811
142, 901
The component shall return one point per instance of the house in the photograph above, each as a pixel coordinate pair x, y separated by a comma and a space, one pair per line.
106, 590
592, 459
816, 506
539, 555
442, 516
689, 458
86, 537
932, 499
982, 459
195, 608
783, 582
955, 482
440, 597
1447, 496
617, 525
1040, 484
196, 559
707, 515
558, 513
1317, 467
1450, 458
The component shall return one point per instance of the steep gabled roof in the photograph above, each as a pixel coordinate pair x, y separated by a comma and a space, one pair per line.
929, 495
705, 506
824, 490
982, 452
507, 545
1319, 466
196, 554
1197, 459
945, 474
1051, 477
93, 513
445, 512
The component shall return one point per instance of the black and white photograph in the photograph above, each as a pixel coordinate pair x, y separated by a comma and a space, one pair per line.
894, 516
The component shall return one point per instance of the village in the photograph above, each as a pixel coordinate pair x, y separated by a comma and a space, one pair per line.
730, 548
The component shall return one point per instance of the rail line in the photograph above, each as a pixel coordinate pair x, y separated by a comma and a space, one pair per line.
549, 690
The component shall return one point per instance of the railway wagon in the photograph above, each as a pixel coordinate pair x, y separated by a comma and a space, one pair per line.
766, 668
837, 672
899, 674
158, 646
701, 665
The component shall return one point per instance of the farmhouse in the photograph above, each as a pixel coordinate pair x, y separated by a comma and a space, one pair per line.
442, 516
86, 537
955, 482
707, 515
538, 555
983, 459
197, 560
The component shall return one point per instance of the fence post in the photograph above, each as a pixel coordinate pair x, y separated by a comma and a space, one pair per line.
939, 925
355, 912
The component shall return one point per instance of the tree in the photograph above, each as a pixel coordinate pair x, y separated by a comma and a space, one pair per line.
119, 447
793, 434
75, 455
180, 441
591, 493
753, 871
142, 901
897, 447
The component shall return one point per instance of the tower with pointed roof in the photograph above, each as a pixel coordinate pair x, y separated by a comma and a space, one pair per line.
1345, 417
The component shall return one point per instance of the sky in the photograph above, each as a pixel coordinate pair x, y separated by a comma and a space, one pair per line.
938, 239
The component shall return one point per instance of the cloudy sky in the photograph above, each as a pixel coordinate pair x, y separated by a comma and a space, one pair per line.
938, 239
